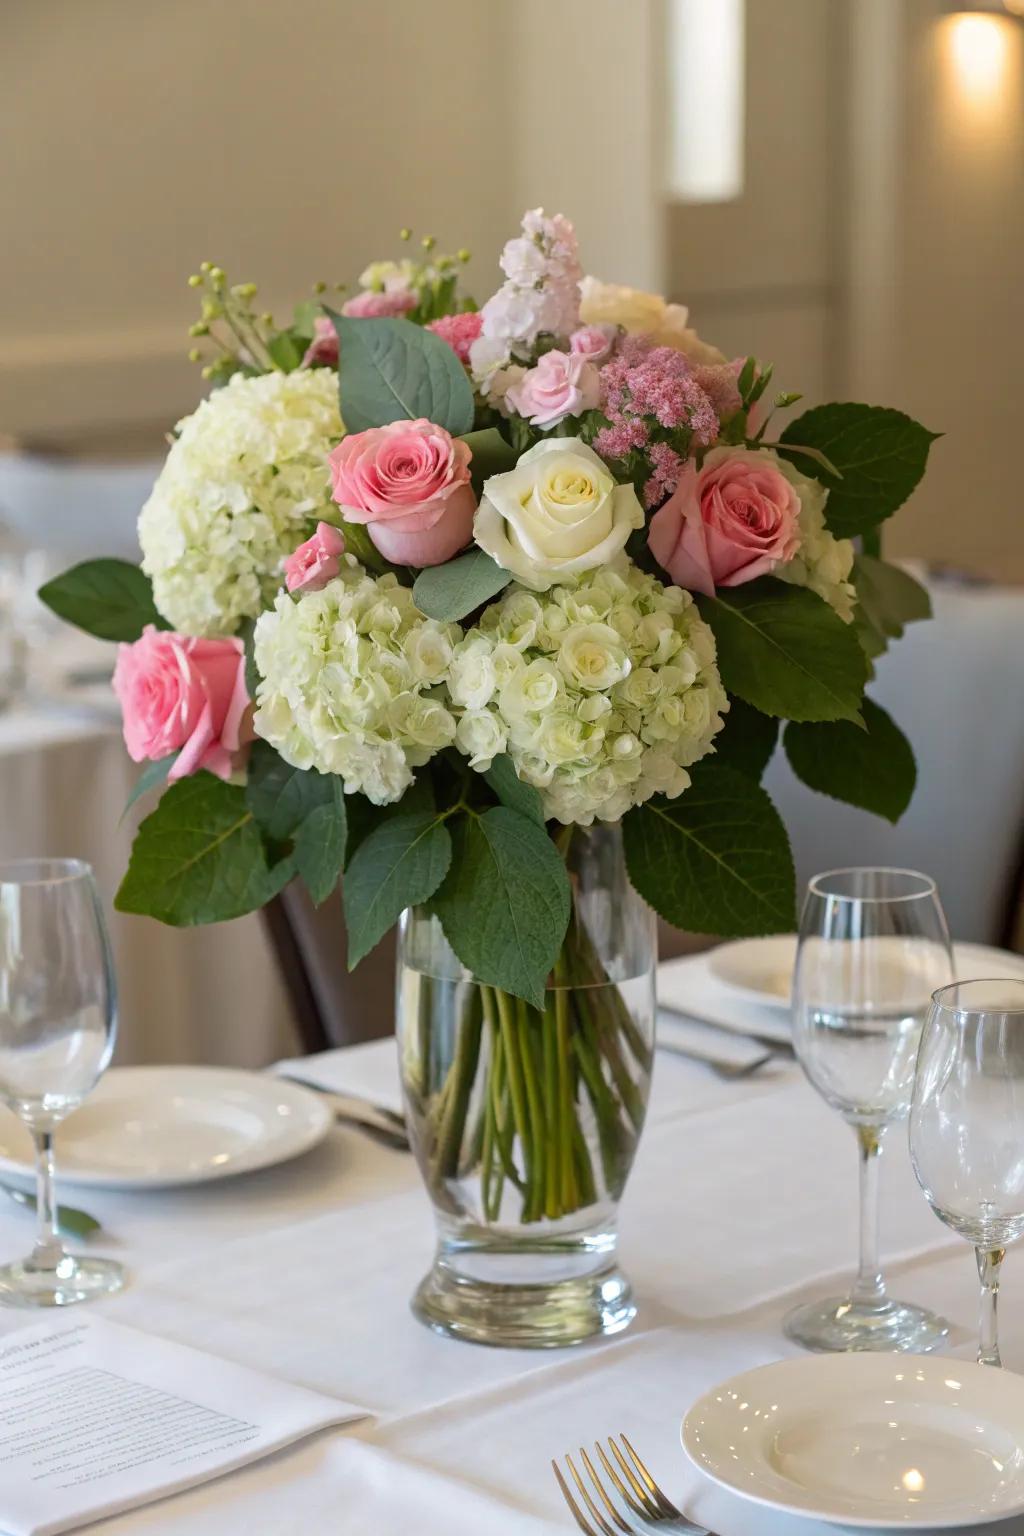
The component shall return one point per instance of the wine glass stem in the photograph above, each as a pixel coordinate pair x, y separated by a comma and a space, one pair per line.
989, 1262
869, 1289
49, 1250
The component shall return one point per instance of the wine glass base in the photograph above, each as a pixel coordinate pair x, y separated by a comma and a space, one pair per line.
75, 1279
839, 1324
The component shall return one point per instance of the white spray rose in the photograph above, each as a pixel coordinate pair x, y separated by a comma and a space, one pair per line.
557, 513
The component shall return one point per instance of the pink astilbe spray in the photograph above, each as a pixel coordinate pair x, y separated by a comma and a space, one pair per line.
647, 381
666, 468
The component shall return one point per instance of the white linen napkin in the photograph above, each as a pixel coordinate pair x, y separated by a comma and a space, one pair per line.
368, 1072
96, 1418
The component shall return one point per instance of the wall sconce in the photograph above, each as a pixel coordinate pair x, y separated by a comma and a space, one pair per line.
704, 62
987, 7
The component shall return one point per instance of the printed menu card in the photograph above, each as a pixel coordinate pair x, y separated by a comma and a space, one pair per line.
96, 1418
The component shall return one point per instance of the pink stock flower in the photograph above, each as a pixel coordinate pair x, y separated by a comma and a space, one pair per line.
459, 331
179, 694
371, 305
594, 342
562, 384
733, 519
316, 562
409, 483
324, 346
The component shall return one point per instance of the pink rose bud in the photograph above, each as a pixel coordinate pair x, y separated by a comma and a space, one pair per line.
734, 519
179, 694
324, 346
562, 384
409, 483
316, 562
459, 331
370, 305
594, 342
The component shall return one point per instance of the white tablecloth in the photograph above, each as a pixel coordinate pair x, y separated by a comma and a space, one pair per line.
211, 994
743, 1198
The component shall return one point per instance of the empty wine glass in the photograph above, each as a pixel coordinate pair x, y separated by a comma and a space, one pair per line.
873, 948
967, 1126
57, 1022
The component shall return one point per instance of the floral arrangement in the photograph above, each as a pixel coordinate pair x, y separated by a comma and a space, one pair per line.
424, 587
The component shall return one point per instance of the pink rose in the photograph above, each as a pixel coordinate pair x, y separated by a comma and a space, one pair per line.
179, 694
409, 483
370, 305
562, 384
594, 342
732, 520
316, 562
324, 346
459, 331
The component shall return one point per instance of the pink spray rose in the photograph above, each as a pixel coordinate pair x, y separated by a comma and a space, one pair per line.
459, 331
324, 346
409, 483
179, 694
594, 342
316, 562
734, 519
562, 384
371, 305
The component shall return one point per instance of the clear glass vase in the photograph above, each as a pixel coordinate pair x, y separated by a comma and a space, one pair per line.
525, 1124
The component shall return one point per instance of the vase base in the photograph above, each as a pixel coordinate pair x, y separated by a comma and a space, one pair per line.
523, 1316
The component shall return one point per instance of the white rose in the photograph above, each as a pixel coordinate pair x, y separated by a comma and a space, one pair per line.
645, 314
558, 512
480, 737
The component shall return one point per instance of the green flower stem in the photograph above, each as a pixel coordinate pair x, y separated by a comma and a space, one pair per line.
566, 1116
513, 1061
548, 1030
460, 1087
538, 1130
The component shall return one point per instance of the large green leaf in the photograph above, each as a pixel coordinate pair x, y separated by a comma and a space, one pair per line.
451, 591
513, 792
715, 860
392, 370
887, 600
402, 862
747, 740
199, 857
492, 455
782, 649
302, 806
111, 599
505, 902
873, 768
153, 776
880, 455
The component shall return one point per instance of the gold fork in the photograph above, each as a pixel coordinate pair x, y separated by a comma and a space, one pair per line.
635, 1486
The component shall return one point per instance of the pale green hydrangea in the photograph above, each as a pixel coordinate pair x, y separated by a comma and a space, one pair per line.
244, 484
822, 562
602, 691
352, 681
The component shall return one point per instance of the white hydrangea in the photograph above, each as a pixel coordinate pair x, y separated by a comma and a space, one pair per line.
351, 682
602, 690
822, 562
244, 484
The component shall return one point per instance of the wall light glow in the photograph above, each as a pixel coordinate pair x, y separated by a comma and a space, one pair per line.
979, 47
705, 90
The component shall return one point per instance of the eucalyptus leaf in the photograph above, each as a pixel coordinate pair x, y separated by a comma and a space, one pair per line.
111, 599
399, 864
783, 650
504, 904
451, 591
152, 777
715, 860
199, 857
880, 455
872, 768
393, 370
492, 455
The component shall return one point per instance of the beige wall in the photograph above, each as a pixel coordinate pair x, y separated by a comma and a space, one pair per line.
874, 252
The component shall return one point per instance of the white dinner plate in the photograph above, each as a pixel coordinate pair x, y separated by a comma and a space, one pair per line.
154, 1127
761, 970
867, 1439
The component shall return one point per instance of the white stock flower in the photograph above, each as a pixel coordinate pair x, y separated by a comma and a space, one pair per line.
245, 482
541, 293
598, 717
346, 677
557, 513
823, 563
